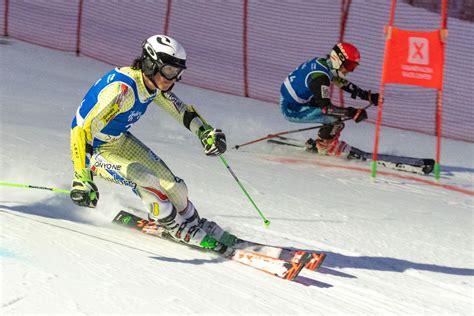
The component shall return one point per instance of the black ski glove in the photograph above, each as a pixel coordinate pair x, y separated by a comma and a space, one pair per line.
84, 192
358, 115
374, 98
213, 141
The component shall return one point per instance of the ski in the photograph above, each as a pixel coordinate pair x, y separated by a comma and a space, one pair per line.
287, 270
287, 265
401, 163
283, 253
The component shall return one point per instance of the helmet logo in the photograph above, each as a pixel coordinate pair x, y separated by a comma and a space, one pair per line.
149, 49
160, 39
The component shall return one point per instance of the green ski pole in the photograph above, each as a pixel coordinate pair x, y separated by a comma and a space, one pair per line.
266, 222
28, 186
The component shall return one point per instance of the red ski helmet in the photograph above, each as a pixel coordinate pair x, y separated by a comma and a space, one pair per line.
345, 54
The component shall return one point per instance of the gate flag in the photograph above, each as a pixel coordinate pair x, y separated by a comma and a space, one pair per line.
414, 58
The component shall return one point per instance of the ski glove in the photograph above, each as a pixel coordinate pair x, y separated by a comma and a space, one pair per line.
374, 98
213, 141
358, 115
84, 192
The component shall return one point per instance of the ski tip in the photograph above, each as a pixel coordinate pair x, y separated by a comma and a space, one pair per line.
316, 261
295, 267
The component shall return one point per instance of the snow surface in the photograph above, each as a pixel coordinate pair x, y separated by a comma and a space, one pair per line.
401, 245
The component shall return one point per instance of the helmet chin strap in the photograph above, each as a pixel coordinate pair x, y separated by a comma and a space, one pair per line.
337, 73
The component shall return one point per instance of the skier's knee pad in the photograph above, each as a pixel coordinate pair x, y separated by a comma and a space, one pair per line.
156, 202
331, 131
150, 190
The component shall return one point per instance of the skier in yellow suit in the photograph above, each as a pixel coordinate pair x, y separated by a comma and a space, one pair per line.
102, 145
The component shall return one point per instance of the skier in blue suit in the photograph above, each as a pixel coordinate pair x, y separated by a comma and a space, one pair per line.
305, 98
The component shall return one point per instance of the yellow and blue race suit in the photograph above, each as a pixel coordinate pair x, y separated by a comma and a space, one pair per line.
101, 141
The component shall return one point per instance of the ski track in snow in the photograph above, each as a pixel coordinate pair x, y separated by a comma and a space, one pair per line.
367, 297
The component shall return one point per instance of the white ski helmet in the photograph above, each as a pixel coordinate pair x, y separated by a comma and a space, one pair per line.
344, 55
165, 55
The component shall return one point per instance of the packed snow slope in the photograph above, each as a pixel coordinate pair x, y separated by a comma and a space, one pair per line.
400, 245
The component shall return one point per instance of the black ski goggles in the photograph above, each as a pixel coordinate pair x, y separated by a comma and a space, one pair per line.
170, 67
170, 72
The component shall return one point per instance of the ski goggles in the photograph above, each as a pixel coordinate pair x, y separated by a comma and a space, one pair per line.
350, 65
170, 72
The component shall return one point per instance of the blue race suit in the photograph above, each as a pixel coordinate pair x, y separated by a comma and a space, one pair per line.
296, 98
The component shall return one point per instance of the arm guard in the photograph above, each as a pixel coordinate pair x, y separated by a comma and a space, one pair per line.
350, 87
194, 122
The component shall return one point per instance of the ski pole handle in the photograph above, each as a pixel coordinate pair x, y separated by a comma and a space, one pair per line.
28, 186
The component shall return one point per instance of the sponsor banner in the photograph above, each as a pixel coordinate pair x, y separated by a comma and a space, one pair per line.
414, 58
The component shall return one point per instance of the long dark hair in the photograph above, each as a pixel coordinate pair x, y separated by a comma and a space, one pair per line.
137, 63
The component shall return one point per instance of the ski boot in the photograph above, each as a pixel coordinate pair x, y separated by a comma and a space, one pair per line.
214, 230
328, 147
188, 229
310, 146
328, 143
332, 147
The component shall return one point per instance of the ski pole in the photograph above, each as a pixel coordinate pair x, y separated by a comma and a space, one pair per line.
269, 136
28, 186
266, 222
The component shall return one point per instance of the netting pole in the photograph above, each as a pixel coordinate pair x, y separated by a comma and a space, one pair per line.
245, 48
439, 96
79, 25
388, 34
5, 18
167, 17
345, 13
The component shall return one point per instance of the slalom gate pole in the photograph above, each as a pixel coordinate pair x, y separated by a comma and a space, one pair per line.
28, 186
266, 222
